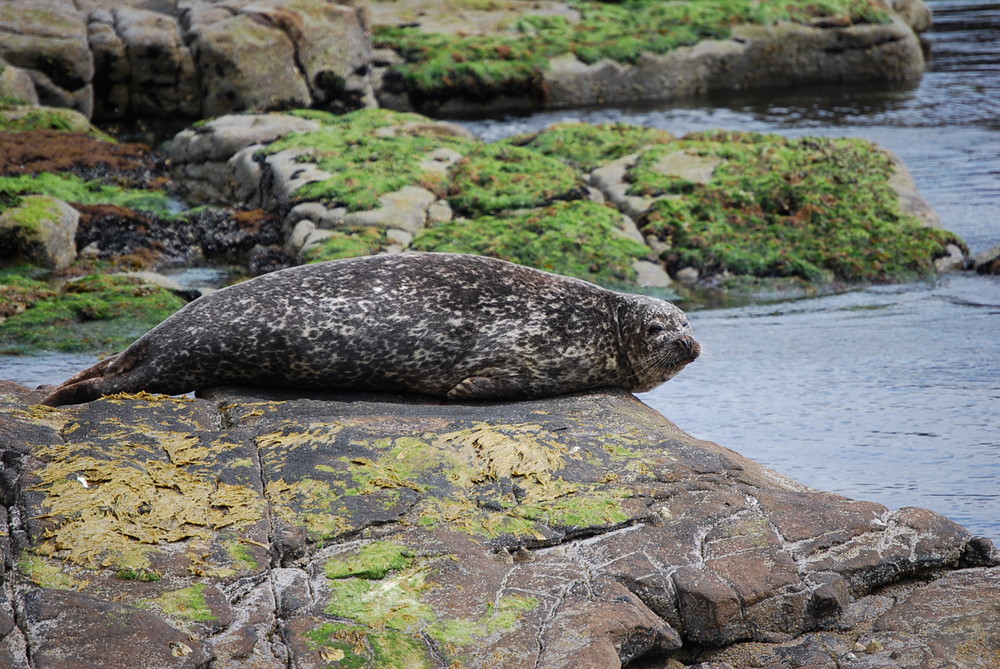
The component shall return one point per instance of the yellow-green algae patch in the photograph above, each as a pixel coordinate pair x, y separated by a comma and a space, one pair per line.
307, 503
188, 603
487, 480
110, 500
381, 589
47, 574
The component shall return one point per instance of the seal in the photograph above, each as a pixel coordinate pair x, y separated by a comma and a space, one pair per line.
444, 324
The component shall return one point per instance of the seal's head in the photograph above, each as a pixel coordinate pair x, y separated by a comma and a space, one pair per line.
657, 340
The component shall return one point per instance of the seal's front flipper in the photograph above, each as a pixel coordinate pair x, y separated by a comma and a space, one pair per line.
487, 388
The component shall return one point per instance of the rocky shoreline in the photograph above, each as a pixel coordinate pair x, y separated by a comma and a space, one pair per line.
261, 529
254, 528
189, 60
619, 205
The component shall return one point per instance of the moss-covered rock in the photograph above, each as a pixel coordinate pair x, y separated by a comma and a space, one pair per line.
73, 189
379, 531
814, 208
367, 154
587, 146
348, 243
39, 229
579, 238
496, 177
17, 118
96, 313
512, 59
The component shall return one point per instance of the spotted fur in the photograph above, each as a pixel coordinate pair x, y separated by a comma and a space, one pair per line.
460, 326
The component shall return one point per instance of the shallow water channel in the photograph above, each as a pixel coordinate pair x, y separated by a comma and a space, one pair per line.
889, 394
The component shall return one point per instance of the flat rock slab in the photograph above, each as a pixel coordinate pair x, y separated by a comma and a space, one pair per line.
254, 528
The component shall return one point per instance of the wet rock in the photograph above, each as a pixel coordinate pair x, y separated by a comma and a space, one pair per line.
41, 230
987, 262
757, 57
573, 531
142, 239
75, 629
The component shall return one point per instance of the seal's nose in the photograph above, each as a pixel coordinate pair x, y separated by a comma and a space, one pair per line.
689, 346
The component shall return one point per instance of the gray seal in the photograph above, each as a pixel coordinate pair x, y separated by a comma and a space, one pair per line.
444, 324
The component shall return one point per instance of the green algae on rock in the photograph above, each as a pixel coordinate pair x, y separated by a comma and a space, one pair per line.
581, 238
71, 188
348, 243
495, 177
367, 154
95, 313
17, 118
587, 146
512, 60
818, 209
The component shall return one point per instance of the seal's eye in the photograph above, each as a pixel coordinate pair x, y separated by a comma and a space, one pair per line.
654, 329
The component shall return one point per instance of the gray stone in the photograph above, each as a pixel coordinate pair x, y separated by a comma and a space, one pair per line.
610, 179
42, 230
50, 44
332, 46
987, 262
163, 79
16, 83
247, 63
290, 530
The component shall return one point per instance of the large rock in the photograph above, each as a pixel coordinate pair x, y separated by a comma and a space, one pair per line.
988, 261
16, 83
756, 57
48, 39
41, 230
189, 59
274, 530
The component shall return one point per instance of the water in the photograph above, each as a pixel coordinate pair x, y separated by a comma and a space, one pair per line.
889, 394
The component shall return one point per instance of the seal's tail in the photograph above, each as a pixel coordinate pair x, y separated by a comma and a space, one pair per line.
80, 387
97, 380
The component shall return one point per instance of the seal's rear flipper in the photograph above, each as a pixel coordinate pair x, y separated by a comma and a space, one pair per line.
75, 393
96, 380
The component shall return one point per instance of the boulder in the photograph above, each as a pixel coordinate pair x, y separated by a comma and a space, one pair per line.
189, 59
247, 62
41, 230
205, 157
269, 528
49, 42
987, 262
757, 56
163, 80
17, 84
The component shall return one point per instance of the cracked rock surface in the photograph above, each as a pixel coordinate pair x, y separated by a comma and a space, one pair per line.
261, 529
